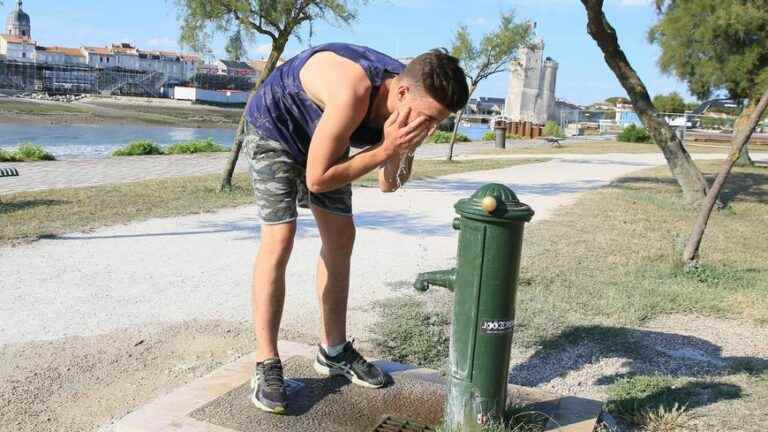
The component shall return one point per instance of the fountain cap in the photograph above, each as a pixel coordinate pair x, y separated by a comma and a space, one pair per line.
494, 203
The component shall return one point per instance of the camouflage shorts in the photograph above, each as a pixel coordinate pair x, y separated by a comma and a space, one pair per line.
279, 183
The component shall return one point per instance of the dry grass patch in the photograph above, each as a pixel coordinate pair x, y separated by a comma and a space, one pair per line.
612, 258
31, 215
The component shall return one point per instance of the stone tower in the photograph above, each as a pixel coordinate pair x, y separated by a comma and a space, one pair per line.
531, 88
546, 106
18, 23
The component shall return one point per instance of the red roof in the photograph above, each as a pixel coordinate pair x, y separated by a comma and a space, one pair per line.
74, 52
17, 39
98, 50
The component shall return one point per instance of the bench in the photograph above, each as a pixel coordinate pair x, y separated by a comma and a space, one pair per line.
9, 172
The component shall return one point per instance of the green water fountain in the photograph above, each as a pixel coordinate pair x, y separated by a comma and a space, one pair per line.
484, 283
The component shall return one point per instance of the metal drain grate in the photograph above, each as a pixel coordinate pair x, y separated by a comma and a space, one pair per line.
394, 424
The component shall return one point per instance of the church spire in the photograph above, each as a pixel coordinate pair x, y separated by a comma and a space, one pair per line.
18, 4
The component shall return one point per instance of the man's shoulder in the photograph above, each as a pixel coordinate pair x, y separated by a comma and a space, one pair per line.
330, 75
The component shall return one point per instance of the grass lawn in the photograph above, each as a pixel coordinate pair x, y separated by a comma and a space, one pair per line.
612, 257
576, 146
30, 215
601, 268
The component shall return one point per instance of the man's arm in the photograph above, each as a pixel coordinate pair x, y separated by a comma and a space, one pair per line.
344, 108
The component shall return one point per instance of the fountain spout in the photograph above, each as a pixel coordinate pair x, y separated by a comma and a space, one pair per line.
442, 278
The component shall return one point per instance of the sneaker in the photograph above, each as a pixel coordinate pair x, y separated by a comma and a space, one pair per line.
268, 387
350, 364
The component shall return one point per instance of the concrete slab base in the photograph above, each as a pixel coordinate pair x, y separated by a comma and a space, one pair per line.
220, 401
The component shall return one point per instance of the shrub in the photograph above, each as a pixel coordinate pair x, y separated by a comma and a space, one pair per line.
195, 146
139, 148
31, 152
489, 136
26, 152
6, 156
440, 137
553, 129
634, 134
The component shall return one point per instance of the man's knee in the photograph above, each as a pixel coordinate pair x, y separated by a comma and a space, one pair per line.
342, 241
277, 243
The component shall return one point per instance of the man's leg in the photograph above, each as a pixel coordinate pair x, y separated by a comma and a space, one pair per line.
268, 288
337, 233
336, 356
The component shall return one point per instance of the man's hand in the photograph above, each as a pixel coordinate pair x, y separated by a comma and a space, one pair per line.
402, 138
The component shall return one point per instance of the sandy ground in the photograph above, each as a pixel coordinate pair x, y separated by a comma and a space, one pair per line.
94, 324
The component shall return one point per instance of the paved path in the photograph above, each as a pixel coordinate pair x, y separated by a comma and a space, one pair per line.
80, 173
199, 266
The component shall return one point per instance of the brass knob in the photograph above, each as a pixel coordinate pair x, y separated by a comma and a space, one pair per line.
489, 204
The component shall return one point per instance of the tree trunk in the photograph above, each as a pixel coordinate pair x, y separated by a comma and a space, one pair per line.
691, 253
688, 176
229, 169
742, 122
459, 115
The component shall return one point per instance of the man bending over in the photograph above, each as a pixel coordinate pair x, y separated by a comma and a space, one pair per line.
301, 125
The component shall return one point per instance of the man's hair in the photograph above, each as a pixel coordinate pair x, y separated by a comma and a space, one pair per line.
439, 74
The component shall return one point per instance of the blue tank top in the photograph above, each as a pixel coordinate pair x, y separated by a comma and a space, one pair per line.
281, 110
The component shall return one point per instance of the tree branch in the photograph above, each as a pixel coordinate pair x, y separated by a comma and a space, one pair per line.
252, 25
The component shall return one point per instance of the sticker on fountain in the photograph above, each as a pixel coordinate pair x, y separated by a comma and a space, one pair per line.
498, 326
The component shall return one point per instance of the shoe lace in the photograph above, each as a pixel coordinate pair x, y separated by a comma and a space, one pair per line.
273, 376
357, 360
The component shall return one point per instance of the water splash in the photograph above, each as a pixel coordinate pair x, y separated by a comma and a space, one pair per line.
403, 168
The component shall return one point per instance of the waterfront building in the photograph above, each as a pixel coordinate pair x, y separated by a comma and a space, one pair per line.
120, 68
531, 89
236, 69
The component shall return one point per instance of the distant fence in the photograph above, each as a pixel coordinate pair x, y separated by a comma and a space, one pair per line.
79, 79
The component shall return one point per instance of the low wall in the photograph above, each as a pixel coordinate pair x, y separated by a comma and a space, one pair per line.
222, 97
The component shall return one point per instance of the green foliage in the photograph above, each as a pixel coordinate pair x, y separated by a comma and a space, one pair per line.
715, 122
714, 45
440, 137
634, 134
491, 136
235, 49
630, 397
195, 146
139, 148
26, 152
553, 129
618, 100
147, 147
495, 50
7, 156
671, 103
408, 332
278, 20
31, 152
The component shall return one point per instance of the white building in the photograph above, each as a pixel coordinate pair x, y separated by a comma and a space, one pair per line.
16, 44
531, 89
176, 66
60, 56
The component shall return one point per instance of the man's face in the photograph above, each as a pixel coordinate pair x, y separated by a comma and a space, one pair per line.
421, 104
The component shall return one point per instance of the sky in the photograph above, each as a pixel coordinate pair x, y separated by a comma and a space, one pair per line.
401, 28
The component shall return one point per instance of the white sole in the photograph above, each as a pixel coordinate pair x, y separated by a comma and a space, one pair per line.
260, 405
327, 371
